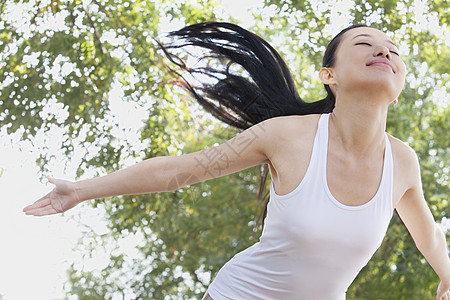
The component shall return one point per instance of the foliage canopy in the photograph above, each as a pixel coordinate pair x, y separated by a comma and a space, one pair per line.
62, 61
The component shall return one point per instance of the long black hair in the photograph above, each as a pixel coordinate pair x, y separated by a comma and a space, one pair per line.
250, 83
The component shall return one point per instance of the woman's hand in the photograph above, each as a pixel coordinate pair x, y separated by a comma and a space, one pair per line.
63, 197
443, 291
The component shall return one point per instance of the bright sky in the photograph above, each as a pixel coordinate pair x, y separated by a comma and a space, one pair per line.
36, 252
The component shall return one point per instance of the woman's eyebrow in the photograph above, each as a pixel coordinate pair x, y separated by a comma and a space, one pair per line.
365, 34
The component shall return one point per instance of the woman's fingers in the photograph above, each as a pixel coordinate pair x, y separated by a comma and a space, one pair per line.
53, 180
60, 199
44, 201
41, 211
45, 211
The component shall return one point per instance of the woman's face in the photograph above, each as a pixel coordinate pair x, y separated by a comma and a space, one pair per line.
368, 61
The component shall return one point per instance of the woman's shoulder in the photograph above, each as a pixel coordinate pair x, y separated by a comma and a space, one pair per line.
291, 130
284, 126
407, 175
289, 141
401, 150
406, 165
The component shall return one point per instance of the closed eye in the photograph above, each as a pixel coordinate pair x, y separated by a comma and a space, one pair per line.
363, 43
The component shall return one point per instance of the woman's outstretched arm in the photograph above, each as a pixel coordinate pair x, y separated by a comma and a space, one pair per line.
427, 235
164, 173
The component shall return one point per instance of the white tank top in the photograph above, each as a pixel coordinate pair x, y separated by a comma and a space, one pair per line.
312, 246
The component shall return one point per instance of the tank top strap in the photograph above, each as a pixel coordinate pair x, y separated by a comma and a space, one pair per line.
387, 180
323, 122
319, 152
322, 143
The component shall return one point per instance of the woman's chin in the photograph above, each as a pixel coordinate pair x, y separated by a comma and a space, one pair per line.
378, 83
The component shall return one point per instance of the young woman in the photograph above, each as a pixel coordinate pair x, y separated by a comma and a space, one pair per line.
336, 174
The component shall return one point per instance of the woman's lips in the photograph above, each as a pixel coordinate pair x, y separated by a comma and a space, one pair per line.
382, 63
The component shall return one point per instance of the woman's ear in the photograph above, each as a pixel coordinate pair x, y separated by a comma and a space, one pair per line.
326, 76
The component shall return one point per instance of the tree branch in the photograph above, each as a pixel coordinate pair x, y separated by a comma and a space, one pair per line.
96, 34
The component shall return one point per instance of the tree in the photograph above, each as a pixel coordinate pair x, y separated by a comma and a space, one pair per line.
187, 235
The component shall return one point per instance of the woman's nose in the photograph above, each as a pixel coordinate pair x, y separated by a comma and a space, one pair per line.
383, 51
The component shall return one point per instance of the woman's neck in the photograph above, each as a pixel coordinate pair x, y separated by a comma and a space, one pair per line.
359, 125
